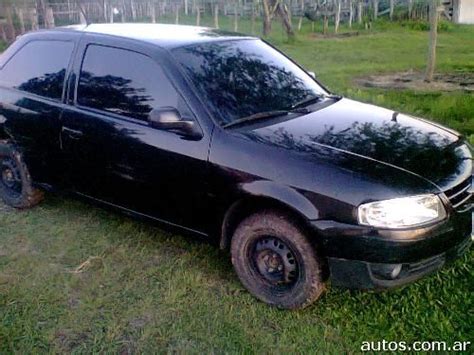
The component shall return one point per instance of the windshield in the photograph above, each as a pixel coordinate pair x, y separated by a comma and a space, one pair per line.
245, 77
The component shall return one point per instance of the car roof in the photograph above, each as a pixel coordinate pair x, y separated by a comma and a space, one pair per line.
168, 36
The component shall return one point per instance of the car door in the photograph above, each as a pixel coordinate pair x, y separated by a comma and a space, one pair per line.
114, 153
31, 93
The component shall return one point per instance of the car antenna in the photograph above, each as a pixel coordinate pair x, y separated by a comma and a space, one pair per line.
81, 9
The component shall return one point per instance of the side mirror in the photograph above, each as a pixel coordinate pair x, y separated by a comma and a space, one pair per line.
312, 74
169, 119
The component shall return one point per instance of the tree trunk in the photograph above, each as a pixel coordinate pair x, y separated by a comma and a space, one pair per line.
337, 16
236, 18
34, 19
300, 22
176, 19
134, 10
153, 12
104, 11
392, 8
253, 18
216, 15
351, 13
69, 10
124, 8
11, 28
3, 35
186, 7
21, 20
376, 9
286, 19
267, 20
430, 68
410, 8
41, 11
198, 16
287, 10
49, 20
359, 12
325, 23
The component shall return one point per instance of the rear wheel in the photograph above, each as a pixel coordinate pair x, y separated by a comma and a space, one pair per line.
16, 188
275, 261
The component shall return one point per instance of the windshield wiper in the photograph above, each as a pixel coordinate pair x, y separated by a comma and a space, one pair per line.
258, 116
265, 115
314, 99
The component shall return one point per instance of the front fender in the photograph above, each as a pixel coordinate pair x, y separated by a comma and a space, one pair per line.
283, 194
5, 148
3, 133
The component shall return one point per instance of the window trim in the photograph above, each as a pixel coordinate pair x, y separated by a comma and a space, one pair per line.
75, 101
66, 74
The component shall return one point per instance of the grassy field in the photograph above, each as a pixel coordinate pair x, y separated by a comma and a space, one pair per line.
78, 278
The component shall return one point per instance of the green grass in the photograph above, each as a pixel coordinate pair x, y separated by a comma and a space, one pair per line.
147, 289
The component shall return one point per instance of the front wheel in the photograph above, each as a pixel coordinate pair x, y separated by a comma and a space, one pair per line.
16, 187
275, 261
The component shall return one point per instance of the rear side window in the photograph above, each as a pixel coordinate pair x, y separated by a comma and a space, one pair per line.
126, 83
39, 68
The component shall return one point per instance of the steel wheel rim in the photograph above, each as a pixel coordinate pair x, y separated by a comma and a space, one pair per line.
10, 176
274, 262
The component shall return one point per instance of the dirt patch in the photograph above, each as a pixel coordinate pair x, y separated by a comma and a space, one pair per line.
412, 80
333, 35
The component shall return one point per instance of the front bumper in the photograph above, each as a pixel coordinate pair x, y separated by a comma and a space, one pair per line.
366, 258
365, 275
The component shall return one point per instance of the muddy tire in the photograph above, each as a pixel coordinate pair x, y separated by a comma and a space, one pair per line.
275, 261
16, 187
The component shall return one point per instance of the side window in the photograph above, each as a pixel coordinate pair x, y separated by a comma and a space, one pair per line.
39, 67
126, 83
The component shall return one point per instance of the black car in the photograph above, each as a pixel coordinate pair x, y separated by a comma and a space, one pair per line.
222, 135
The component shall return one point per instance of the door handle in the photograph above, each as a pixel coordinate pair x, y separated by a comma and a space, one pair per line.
73, 133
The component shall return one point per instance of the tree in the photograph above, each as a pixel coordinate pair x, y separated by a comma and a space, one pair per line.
337, 16
376, 9
359, 11
236, 16
351, 13
410, 8
300, 22
216, 15
432, 40
285, 17
271, 7
267, 18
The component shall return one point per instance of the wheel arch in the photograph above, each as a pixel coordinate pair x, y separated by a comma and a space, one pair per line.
265, 195
3, 133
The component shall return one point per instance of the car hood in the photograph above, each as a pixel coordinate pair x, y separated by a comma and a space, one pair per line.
348, 127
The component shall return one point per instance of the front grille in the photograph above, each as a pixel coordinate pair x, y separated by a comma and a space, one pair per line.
461, 196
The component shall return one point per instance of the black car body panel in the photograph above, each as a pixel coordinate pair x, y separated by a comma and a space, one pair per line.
320, 165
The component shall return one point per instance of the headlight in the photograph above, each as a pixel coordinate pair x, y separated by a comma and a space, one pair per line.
402, 212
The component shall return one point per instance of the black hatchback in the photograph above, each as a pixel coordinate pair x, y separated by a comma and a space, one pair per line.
222, 135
